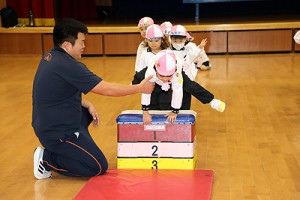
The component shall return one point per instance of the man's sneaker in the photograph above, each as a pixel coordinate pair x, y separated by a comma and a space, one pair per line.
39, 170
218, 105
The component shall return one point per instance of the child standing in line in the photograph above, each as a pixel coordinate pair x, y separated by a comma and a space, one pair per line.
143, 24
166, 28
202, 61
187, 51
155, 42
173, 88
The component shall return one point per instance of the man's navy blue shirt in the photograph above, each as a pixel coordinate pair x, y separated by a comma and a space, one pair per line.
58, 85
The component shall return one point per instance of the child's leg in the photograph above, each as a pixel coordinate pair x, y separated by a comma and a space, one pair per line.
203, 61
200, 93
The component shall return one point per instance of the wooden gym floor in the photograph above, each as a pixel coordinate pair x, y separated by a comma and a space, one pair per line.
254, 146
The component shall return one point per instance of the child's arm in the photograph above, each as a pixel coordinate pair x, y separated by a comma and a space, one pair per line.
147, 119
171, 116
177, 95
146, 98
203, 43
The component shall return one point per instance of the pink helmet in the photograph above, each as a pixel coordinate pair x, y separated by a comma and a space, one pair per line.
189, 37
145, 21
154, 31
178, 30
165, 62
166, 27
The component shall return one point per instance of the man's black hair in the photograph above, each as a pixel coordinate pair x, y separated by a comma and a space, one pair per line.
67, 30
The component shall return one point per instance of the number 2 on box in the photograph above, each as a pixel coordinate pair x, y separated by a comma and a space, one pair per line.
155, 150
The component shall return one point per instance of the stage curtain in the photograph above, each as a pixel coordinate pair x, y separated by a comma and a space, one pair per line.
40, 8
79, 9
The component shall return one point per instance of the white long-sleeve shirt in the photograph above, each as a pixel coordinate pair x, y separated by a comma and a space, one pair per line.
187, 56
146, 56
140, 50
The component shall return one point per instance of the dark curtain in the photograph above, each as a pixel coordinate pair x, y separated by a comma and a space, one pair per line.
78, 9
40, 8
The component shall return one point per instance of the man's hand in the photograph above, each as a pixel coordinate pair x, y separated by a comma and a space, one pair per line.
147, 86
93, 112
88, 105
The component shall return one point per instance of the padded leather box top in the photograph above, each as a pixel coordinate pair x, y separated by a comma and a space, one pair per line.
156, 119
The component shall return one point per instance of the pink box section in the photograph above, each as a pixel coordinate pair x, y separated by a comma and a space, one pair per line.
172, 133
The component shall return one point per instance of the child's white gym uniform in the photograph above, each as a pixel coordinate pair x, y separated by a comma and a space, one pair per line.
187, 55
176, 84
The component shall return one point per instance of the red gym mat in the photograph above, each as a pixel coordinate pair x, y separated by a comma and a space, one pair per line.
145, 184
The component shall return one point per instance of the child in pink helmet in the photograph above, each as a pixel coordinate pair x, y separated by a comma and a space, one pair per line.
142, 25
173, 88
186, 50
165, 75
155, 42
166, 28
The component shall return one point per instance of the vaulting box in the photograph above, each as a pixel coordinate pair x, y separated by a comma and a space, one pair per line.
132, 129
159, 145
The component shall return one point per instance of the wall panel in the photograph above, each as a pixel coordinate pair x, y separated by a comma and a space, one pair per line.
24, 43
259, 41
217, 41
297, 46
93, 44
124, 43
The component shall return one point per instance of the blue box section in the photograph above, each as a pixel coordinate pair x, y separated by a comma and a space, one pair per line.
156, 119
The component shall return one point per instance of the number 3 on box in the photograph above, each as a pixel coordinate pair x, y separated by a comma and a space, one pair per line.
154, 163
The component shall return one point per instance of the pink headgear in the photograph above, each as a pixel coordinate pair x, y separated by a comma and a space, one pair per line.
189, 37
145, 21
178, 30
166, 27
165, 63
154, 31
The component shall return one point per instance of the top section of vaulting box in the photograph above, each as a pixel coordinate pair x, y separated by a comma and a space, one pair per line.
158, 117
132, 129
